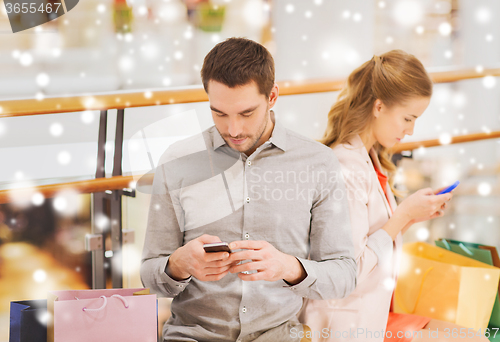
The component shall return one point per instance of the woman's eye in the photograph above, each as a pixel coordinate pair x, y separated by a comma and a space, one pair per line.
408, 120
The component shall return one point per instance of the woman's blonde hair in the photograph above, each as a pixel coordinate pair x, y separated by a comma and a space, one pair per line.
393, 77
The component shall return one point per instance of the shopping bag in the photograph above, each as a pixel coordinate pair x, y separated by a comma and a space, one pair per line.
125, 315
28, 321
483, 253
467, 249
443, 285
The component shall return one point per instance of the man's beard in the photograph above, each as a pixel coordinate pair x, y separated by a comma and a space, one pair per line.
227, 137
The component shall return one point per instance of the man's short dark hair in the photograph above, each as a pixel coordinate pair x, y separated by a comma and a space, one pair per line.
238, 61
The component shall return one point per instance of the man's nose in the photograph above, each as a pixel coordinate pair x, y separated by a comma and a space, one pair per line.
235, 127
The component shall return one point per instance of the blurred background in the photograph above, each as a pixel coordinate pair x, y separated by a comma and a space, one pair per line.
147, 45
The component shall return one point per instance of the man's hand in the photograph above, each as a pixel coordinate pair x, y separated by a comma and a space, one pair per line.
192, 260
270, 264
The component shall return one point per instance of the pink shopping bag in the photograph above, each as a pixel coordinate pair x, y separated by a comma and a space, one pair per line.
124, 315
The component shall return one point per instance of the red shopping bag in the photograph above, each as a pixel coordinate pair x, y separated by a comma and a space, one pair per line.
125, 315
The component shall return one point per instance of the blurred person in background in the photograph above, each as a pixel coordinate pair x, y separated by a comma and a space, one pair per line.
376, 109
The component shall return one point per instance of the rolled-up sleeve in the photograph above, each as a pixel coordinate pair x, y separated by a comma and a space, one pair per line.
331, 269
160, 281
163, 237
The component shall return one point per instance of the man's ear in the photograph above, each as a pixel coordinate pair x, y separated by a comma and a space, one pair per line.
273, 96
377, 107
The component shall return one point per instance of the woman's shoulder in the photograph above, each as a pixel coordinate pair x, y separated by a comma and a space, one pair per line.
349, 155
354, 164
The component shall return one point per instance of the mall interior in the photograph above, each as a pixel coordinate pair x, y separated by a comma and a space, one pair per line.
102, 90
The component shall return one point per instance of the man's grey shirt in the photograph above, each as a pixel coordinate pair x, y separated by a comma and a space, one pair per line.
289, 192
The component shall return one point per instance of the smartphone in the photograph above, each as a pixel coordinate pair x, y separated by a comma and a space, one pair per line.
216, 247
448, 189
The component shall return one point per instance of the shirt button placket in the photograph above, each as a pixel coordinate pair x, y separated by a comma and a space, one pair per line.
249, 163
247, 236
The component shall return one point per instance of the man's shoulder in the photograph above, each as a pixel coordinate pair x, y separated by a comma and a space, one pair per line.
311, 151
298, 141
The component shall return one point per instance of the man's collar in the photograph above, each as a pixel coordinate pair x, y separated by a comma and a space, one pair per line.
218, 141
278, 136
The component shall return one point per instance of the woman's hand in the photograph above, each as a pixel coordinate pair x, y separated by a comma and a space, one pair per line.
421, 206
424, 205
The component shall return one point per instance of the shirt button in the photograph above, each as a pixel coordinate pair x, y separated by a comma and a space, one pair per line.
244, 309
247, 236
247, 199
249, 163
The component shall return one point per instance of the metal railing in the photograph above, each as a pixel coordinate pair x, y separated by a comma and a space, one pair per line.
158, 97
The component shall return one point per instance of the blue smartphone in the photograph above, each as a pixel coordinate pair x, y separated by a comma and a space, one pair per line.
448, 189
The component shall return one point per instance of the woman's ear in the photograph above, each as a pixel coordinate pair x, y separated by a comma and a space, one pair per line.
377, 108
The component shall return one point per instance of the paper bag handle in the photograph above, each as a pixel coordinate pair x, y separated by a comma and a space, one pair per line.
418, 297
446, 244
465, 249
461, 245
124, 301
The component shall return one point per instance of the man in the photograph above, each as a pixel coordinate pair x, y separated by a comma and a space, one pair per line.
269, 192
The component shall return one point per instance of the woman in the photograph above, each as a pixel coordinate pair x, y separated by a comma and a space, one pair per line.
376, 109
